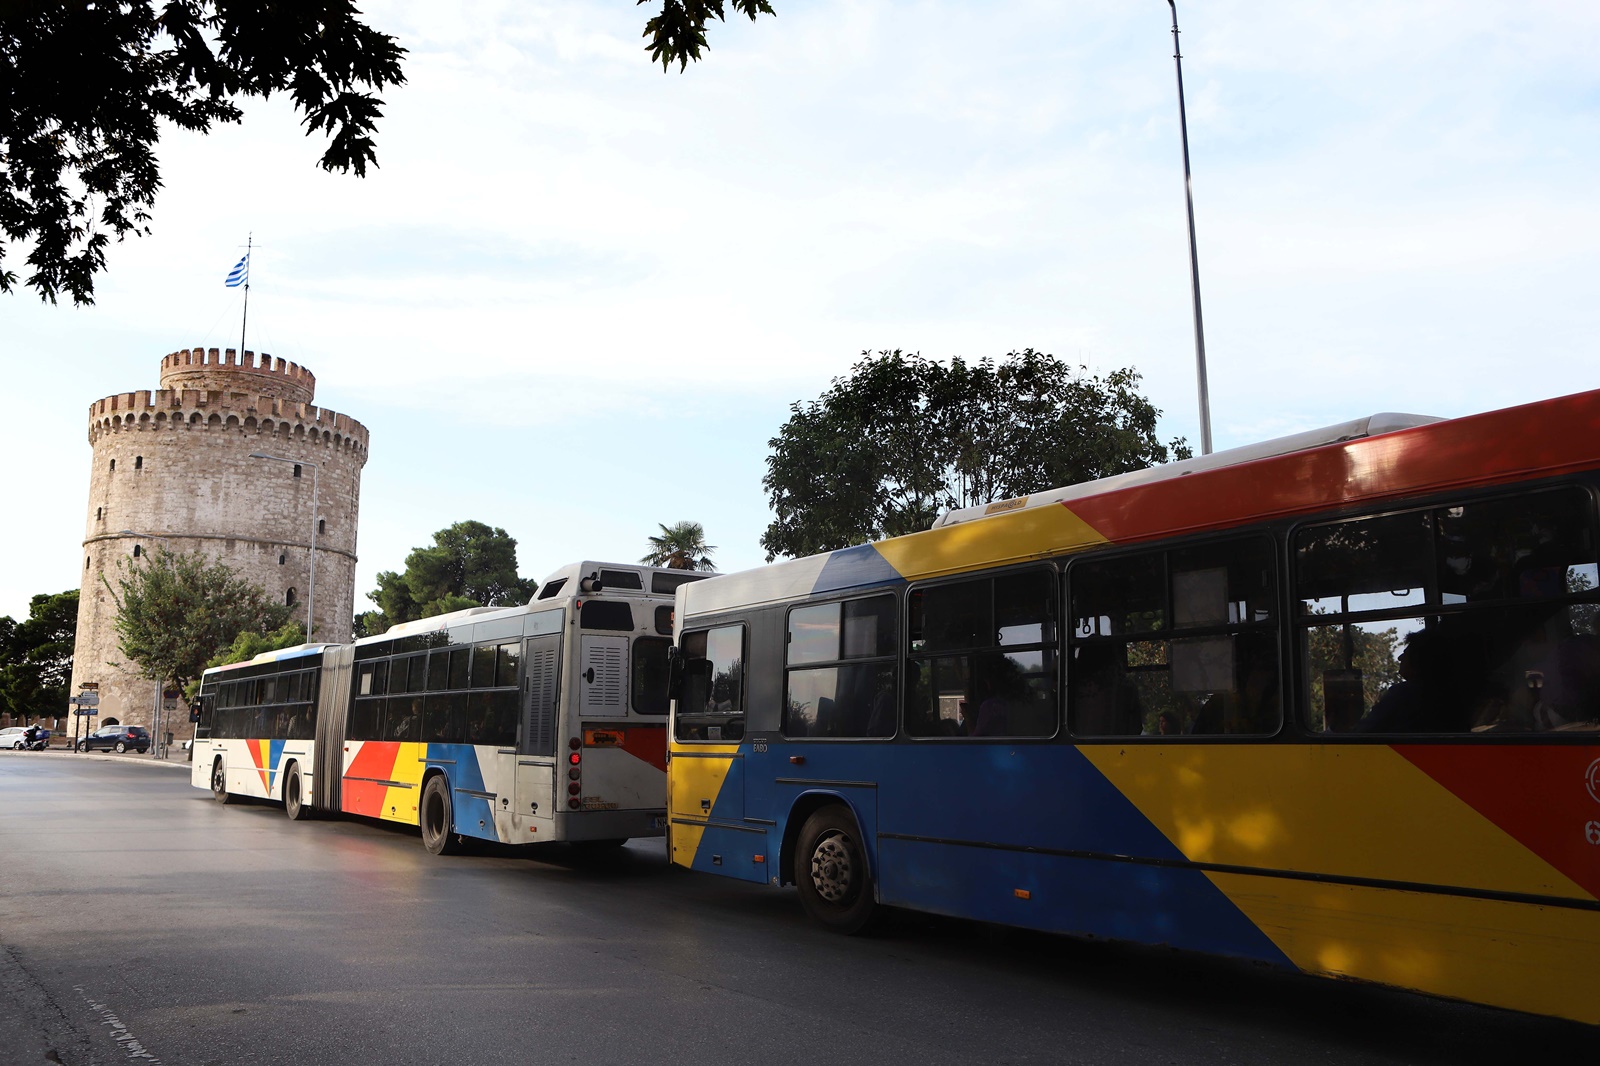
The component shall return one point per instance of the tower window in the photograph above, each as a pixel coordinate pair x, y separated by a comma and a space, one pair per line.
283, 557
113, 464
138, 462
322, 526
86, 562
99, 513
297, 470
137, 551
288, 598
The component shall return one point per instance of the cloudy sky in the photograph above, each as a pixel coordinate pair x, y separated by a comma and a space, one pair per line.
579, 295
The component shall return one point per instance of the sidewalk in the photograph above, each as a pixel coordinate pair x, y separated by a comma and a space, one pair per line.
175, 759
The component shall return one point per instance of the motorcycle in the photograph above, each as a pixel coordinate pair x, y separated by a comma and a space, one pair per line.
38, 740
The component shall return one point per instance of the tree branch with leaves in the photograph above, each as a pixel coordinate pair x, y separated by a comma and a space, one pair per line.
175, 612
902, 438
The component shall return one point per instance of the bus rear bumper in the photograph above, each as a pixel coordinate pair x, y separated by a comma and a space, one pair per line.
614, 825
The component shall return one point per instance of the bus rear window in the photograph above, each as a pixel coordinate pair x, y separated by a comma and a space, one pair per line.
665, 584
621, 579
649, 675
606, 614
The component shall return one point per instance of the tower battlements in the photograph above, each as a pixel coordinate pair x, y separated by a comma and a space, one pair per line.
155, 409
211, 369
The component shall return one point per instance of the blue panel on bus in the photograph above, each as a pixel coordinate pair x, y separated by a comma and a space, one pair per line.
1088, 897
465, 774
734, 852
274, 763
961, 827
853, 568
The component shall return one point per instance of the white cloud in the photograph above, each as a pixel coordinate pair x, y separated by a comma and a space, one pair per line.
578, 294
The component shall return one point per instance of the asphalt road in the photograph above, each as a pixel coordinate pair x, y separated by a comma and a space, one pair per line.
140, 921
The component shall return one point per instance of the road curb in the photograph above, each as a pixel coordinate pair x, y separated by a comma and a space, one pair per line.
99, 756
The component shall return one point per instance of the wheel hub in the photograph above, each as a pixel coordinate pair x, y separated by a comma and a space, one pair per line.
831, 870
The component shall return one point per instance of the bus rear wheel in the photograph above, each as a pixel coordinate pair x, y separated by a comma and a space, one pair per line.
831, 872
294, 802
438, 818
219, 783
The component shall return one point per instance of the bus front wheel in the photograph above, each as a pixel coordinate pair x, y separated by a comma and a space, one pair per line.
831, 872
219, 783
294, 800
438, 818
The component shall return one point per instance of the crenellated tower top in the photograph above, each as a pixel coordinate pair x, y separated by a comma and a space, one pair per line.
213, 370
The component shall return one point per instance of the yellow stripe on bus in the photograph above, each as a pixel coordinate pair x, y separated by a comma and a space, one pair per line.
1537, 959
400, 804
698, 774
995, 541
1352, 810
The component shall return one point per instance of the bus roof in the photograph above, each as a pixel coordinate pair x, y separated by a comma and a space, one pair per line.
559, 588
1367, 459
1355, 429
276, 655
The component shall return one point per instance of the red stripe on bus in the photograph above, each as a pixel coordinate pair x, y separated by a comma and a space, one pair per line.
1547, 797
1551, 437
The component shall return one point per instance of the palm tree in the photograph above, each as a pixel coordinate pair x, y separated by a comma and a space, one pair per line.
681, 546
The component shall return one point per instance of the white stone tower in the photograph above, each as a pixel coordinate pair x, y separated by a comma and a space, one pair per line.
173, 468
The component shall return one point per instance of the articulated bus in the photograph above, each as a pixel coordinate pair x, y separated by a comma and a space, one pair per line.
1331, 703
521, 725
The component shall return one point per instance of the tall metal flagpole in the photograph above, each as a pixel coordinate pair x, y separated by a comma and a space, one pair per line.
245, 317
1194, 255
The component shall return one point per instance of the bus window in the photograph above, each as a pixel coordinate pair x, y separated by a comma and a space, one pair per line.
1495, 630
606, 614
649, 675
444, 718
712, 704
983, 658
1174, 643
483, 666
828, 694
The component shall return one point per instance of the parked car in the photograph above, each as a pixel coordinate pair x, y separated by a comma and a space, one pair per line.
117, 738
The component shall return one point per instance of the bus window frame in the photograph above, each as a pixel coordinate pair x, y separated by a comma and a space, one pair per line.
1055, 646
1278, 631
896, 659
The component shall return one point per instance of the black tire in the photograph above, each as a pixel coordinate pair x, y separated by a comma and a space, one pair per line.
294, 800
831, 872
219, 783
80, 746
122, 748
437, 817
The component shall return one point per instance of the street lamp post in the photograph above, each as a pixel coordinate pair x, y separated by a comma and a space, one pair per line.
311, 593
1194, 255
158, 706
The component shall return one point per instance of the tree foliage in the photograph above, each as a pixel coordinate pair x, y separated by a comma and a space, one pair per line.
36, 657
249, 644
175, 612
681, 546
903, 438
84, 89
679, 31
469, 564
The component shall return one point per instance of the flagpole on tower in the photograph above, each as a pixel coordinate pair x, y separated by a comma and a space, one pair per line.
245, 318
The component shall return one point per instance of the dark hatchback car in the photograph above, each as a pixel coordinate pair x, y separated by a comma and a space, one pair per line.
117, 738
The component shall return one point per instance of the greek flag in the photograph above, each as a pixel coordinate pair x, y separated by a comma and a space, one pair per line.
240, 274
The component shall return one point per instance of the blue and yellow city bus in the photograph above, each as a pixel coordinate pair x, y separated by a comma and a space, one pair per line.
1331, 703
